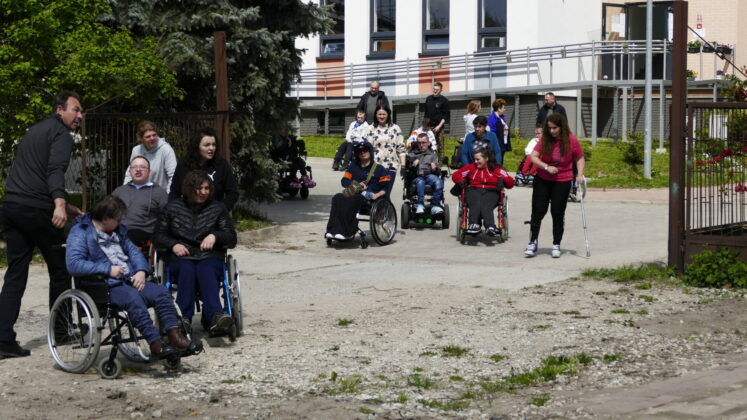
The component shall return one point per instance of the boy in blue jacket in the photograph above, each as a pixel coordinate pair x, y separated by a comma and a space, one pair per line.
478, 140
98, 244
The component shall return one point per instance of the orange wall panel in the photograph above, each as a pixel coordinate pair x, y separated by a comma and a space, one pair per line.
431, 70
335, 85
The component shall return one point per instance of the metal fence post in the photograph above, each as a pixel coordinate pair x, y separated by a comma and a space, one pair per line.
529, 61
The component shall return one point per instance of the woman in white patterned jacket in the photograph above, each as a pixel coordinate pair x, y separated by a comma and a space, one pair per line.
388, 143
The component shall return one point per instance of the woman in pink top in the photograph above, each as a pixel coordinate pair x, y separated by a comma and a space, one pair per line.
553, 155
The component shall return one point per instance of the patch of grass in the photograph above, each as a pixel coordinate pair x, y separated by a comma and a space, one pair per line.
420, 381
539, 401
642, 312
550, 368
343, 322
643, 286
401, 398
541, 327
453, 351
346, 385
574, 312
364, 362
334, 348
609, 358
243, 225
600, 293
428, 353
456, 378
647, 298
366, 410
418, 369
584, 359
496, 357
238, 380
620, 311
455, 405
382, 377
469, 395
630, 273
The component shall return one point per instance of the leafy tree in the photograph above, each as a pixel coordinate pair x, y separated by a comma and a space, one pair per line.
262, 64
50, 45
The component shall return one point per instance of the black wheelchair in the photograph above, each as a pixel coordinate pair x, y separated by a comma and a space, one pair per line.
288, 178
501, 218
382, 219
83, 319
410, 196
230, 288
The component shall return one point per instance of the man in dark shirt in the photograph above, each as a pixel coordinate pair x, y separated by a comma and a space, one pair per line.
550, 107
35, 211
372, 100
437, 109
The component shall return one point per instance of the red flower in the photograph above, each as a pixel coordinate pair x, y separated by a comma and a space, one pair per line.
727, 152
740, 188
717, 159
700, 163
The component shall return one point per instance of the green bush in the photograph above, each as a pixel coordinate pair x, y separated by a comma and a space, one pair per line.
632, 149
717, 268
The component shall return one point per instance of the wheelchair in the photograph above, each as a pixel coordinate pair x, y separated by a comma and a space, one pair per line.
90, 320
230, 291
501, 218
410, 197
382, 218
288, 180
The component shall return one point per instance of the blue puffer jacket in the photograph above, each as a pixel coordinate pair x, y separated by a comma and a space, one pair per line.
84, 257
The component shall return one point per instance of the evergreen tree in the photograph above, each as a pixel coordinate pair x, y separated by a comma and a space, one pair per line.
262, 64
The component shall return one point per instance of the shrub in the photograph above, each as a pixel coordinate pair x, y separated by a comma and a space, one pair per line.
632, 149
717, 268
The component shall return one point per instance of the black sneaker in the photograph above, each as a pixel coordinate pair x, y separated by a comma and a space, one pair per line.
491, 231
335, 165
220, 323
12, 349
474, 229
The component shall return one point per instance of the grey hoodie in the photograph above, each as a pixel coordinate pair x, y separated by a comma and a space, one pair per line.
144, 205
162, 163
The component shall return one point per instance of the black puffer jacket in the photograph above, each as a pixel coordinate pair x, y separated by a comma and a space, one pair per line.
188, 224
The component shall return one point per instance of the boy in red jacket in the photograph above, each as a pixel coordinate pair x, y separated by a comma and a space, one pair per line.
484, 178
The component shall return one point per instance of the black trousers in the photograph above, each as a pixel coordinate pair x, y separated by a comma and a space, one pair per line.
344, 153
342, 218
554, 194
27, 228
481, 202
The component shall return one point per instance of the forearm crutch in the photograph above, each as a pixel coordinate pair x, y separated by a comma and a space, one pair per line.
582, 186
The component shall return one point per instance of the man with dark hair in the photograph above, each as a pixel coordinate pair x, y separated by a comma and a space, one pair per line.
550, 107
480, 139
35, 211
144, 200
437, 110
372, 100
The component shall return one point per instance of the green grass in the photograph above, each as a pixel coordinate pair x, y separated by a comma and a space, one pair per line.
453, 351
497, 357
455, 405
420, 381
539, 401
647, 298
630, 273
620, 311
251, 224
609, 358
347, 385
605, 165
550, 368
343, 322
366, 410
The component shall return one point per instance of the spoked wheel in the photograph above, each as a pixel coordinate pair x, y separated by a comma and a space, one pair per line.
110, 369
234, 284
504, 210
405, 215
134, 346
383, 221
446, 217
73, 332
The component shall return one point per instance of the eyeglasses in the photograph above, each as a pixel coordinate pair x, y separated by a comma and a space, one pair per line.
423, 142
136, 167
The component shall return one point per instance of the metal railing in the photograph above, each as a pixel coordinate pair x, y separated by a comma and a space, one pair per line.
353, 78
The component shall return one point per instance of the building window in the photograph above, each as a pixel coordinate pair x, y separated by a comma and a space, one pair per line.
336, 122
383, 27
491, 17
436, 27
333, 43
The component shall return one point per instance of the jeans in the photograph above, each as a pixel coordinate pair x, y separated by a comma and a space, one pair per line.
556, 195
438, 188
136, 304
27, 228
189, 274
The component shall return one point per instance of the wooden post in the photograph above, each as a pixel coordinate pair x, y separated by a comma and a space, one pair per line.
221, 94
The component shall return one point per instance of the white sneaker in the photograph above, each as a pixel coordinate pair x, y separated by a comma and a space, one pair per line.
329, 235
436, 210
419, 209
555, 251
531, 249
340, 237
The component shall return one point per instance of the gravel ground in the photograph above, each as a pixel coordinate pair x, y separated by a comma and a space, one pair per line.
406, 352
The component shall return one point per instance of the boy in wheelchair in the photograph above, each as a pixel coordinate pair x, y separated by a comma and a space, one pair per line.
423, 169
484, 179
98, 245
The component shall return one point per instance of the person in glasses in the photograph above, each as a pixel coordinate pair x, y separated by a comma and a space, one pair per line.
144, 200
423, 163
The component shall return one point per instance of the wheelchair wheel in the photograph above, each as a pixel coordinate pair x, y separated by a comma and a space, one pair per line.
504, 211
134, 347
383, 221
159, 271
172, 363
234, 284
304, 192
405, 215
110, 369
446, 217
74, 331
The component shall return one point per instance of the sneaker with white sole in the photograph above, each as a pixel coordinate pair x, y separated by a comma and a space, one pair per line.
329, 235
474, 229
531, 249
436, 210
419, 209
555, 251
340, 237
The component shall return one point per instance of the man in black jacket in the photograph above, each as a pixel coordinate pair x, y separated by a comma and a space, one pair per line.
550, 107
372, 100
35, 211
437, 109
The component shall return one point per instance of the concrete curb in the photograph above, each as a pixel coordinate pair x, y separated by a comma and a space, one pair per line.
251, 237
